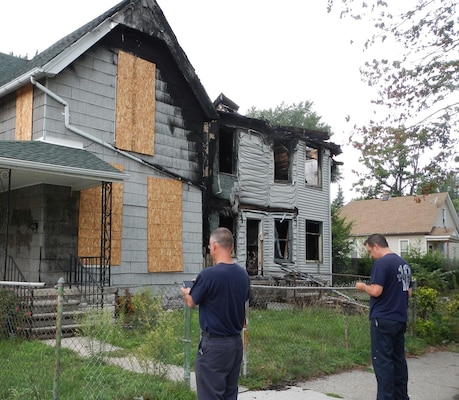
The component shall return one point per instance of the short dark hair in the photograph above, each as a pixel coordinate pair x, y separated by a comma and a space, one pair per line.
376, 238
223, 237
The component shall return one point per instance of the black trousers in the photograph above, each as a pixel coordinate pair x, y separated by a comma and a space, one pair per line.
217, 367
388, 358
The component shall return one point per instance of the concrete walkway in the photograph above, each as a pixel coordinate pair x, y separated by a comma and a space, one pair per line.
433, 376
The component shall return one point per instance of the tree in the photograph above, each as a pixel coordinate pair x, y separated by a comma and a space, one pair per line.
341, 236
410, 148
299, 115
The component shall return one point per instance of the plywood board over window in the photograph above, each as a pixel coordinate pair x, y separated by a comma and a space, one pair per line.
135, 104
24, 108
164, 225
90, 220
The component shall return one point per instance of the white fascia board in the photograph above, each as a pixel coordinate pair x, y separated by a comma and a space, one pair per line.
75, 50
63, 170
19, 81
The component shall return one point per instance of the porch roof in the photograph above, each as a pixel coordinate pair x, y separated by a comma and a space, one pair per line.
36, 162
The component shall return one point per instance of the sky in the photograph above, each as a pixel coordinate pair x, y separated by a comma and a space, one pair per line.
257, 52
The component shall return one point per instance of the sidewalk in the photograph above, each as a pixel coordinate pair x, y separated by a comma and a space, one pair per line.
434, 376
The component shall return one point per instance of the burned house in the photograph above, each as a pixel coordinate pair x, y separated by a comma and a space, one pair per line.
271, 186
101, 155
115, 162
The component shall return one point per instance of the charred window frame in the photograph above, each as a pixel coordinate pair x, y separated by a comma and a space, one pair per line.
312, 170
227, 150
314, 252
228, 221
282, 239
282, 161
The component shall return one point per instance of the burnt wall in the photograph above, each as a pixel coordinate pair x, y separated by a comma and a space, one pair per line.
42, 230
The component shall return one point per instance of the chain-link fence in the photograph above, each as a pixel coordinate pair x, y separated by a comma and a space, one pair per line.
143, 338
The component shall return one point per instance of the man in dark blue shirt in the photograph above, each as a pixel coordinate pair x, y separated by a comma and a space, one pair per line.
389, 290
221, 292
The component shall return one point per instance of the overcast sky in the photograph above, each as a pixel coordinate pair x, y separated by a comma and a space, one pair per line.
258, 52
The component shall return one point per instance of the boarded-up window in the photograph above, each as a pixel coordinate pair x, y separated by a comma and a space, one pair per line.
164, 225
24, 108
135, 104
90, 220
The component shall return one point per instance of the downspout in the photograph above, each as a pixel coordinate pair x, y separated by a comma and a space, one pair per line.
96, 139
79, 131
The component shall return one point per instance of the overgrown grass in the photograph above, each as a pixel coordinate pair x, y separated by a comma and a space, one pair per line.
289, 346
284, 347
28, 371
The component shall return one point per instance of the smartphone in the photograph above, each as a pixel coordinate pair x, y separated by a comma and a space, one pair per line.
188, 284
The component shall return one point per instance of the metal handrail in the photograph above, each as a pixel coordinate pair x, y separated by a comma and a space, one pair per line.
86, 274
12, 272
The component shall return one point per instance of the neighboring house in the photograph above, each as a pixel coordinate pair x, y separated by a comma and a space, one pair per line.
101, 153
425, 223
271, 186
113, 157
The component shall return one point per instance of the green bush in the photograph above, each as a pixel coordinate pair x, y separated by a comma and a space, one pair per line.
433, 269
14, 315
437, 320
426, 301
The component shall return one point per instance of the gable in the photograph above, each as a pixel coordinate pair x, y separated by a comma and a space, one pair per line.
144, 16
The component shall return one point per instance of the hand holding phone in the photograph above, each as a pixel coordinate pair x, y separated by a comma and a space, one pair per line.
187, 284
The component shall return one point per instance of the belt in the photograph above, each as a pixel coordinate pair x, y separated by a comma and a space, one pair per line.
213, 336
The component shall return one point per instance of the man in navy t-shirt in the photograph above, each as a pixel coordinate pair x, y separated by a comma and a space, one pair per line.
389, 290
221, 292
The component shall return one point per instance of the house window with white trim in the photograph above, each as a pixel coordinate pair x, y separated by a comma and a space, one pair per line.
404, 245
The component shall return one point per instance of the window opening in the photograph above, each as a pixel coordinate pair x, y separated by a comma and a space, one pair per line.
226, 153
282, 240
282, 161
404, 244
312, 167
227, 221
313, 241
252, 262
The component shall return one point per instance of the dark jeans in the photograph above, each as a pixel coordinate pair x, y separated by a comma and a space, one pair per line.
388, 358
217, 368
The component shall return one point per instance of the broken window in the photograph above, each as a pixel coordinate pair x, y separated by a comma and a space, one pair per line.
226, 151
313, 241
282, 161
252, 243
312, 167
282, 239
227, 221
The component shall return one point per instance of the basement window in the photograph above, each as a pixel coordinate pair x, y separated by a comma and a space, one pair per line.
282, 161
226, 151
312, 167
282, 240
313, 241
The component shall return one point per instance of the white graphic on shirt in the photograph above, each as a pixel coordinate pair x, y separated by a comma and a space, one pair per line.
404, 276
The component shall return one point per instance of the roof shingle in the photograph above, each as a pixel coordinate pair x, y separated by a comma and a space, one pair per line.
398, 215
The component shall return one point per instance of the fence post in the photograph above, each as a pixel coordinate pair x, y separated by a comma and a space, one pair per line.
60, 307
187, 344
245, 340
414, 310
